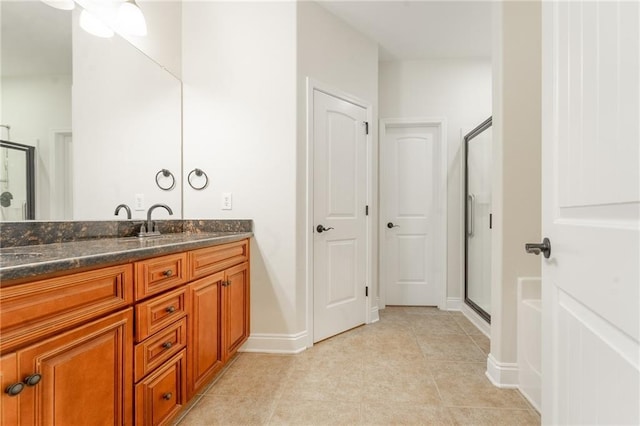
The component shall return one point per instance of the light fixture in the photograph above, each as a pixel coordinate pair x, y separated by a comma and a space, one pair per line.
93, 25
131, 20
60, 4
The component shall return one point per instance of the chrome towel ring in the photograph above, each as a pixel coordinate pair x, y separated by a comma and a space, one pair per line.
166, 173
198, 173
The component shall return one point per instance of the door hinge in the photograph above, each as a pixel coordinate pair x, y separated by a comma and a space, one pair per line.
490, 220
366, 127
366, 210
366, 291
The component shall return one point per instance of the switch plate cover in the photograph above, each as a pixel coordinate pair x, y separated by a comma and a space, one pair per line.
139, 202
226, 201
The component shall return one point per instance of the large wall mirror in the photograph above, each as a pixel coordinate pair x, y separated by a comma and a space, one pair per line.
102, 117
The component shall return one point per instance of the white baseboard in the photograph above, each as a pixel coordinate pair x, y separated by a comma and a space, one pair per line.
453, 304
374, 315
502, 374
276, 343
476, 320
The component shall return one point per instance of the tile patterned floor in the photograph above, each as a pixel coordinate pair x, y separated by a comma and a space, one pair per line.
416, 366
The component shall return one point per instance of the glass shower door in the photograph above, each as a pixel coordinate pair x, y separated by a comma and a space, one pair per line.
17, 181
478, 145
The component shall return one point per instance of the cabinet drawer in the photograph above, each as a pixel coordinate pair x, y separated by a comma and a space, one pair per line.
160, 347
156, 275
34, 310
209, 260
155, 314
162, 394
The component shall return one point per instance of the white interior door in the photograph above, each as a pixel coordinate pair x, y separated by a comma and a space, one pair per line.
591, 213
409, 170
339, 202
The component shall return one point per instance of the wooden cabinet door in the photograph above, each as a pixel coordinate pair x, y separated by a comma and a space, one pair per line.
9, 377
86, 375
205, 349
235, 308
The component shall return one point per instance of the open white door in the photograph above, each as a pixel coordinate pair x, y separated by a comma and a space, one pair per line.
591, 213
339, 206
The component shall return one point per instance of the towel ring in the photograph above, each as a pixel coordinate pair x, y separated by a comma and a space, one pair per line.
198, 173
165, 173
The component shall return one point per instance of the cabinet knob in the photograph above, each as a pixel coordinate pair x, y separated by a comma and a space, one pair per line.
167, 396
14, 389
167, 345
170, 309
167, 273
32, 380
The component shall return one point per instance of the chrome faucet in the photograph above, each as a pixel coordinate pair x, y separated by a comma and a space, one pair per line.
151, 229
123, 206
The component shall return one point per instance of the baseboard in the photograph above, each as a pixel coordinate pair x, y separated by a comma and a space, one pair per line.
374, 315
502, 374
276, 343
453, 304
476, 320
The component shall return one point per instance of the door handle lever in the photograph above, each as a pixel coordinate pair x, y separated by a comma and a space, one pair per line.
536, 248
391, 225
321, 229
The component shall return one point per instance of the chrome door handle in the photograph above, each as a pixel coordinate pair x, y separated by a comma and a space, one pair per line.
390, 225
321, 229
544, 248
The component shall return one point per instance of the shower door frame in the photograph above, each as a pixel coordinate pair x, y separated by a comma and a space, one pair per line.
468, 137
30, 155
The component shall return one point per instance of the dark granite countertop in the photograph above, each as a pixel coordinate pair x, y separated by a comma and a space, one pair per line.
21, 262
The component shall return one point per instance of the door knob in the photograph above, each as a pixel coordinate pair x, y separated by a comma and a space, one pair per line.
391, 225
321, 229
544, 248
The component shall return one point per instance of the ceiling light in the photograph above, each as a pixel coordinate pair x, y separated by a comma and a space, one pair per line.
60, 4
131, 20
95, 26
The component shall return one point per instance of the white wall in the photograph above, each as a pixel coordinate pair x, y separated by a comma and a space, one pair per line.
331, 52
126, 128
35, 106
517, 175
239, 77
460, 91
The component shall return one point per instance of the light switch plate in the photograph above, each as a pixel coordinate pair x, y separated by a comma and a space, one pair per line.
226, 201
139, 202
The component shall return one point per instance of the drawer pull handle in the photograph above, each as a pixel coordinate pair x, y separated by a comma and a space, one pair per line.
32, 380
170, 309
167, 396
167, 345
167, 273
14, 389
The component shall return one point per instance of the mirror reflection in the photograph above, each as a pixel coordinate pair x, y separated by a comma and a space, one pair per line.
101, 116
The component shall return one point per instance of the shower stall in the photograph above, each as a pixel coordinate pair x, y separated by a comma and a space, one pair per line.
17, 181
479, 219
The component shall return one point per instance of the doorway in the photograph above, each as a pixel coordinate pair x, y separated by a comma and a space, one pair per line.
413, 211
340, 227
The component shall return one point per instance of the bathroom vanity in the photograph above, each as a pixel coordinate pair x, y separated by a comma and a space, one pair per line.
119, 330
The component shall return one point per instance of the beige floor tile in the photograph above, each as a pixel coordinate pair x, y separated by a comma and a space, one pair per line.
450, 347
424, 310
465, 385
264, 363
315, 385
492, 417
435, 324
248, 385
483, 342
295, 412
229, 410
402, 388
467, 325
403, 414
